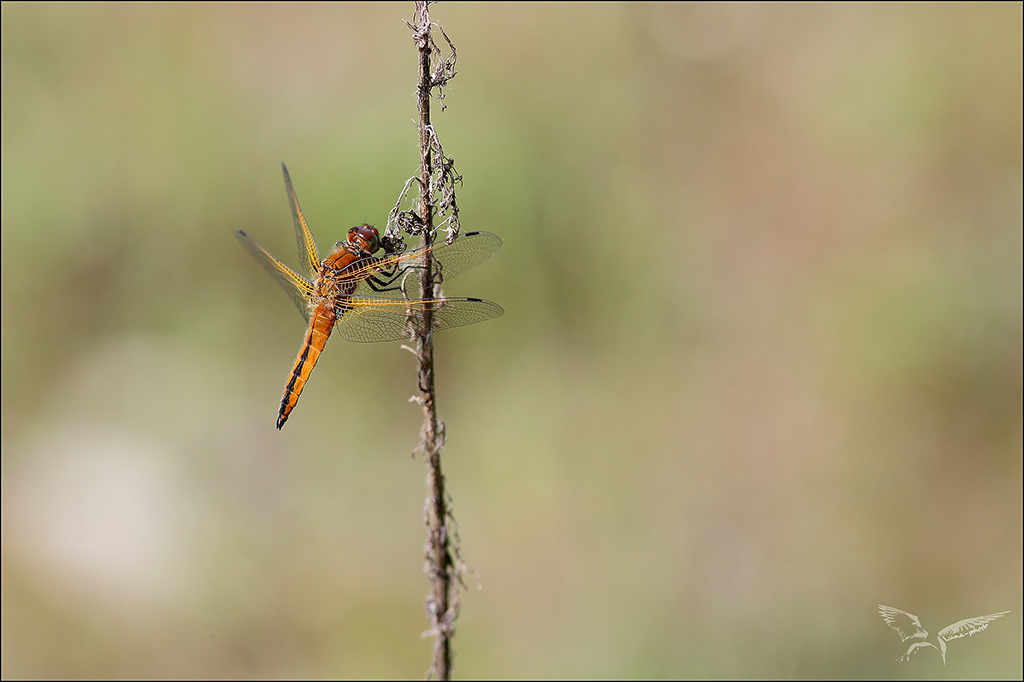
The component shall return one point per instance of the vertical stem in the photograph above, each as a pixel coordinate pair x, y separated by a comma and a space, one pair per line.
439, 562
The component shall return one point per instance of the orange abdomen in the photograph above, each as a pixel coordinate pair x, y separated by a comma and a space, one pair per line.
321, 324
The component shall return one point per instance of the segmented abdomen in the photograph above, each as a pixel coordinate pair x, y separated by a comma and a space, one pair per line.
321, 324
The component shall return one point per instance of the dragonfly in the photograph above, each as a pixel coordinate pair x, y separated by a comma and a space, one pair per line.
369, 298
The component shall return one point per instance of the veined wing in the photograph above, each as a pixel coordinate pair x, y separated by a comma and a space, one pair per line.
390, 319
397, 275
309, 255
968, 627
297, 287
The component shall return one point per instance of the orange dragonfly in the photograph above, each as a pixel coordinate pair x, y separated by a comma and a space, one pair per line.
366, 297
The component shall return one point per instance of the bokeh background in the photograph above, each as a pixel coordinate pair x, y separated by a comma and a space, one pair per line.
760, 367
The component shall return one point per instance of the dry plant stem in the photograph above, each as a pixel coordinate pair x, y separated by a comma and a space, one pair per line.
440, 604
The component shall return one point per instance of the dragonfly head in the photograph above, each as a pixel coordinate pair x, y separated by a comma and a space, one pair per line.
365, 238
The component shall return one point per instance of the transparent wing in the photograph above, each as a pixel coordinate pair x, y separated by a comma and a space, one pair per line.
309, 255
387, 319
397, 275
297, 287
968, 627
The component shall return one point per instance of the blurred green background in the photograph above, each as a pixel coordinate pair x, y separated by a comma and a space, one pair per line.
760, 367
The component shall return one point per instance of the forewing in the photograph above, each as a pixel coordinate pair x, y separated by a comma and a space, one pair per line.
968, 627
465, 253
309, 255
905, 624
401, 270
385, 319
297, 287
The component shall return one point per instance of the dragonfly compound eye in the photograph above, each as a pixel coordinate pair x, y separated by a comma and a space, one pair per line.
366, 237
